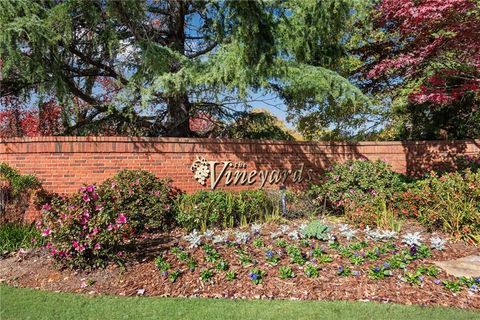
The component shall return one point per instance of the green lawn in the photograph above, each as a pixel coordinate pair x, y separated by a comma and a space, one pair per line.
16, 303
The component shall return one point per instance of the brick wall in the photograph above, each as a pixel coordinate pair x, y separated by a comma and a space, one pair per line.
63, 164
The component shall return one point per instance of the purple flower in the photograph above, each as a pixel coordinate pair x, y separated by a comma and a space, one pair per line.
355, 254
253, 276
269, 253
421, 278
340, 269
356, 273
386, 265
413, 250
164, 273
376, 269
436, 281
477, 280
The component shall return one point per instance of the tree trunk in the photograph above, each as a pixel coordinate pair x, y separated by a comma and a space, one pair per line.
178, 109
178, 106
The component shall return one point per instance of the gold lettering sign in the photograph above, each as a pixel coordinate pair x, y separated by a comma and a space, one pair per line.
236, 173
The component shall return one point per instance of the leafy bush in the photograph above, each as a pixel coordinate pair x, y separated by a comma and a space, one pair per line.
81, 232
451, 202
359, 189
14, 191
207, 209
18, 183
142, 197
15, 236
356, 179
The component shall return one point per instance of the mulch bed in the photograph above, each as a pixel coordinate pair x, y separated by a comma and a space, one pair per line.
36, 269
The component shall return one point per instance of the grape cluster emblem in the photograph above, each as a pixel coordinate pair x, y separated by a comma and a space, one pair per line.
201, 170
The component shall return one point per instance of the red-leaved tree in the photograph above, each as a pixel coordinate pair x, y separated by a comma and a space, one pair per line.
426, 54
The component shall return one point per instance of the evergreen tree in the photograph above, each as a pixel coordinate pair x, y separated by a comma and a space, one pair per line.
147, 67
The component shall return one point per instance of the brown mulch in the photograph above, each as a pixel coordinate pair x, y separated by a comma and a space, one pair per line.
36, 269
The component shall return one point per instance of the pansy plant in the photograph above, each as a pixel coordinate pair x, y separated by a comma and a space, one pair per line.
256, 275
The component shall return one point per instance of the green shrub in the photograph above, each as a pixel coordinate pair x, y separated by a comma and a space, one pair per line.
18, 183
356, 178
15, 236
207, 209
145, 199
359, 189
14, 191
80, 232
451, 202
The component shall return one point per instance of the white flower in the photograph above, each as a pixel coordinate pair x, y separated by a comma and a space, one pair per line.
414, 238
208, 234
294, 235
275, 235
389, 234
349, 234
437, 243
284, 228
241, 237
221, 238
302, 227
194, 239
256, 228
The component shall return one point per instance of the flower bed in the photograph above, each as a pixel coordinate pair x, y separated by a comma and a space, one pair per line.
271, 261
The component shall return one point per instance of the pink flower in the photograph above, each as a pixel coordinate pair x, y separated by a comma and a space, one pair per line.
110, 227
86, 198
46, 232
90, 188
121, 219
75, 244
95, 231
97, 246
81, 248
46, 207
